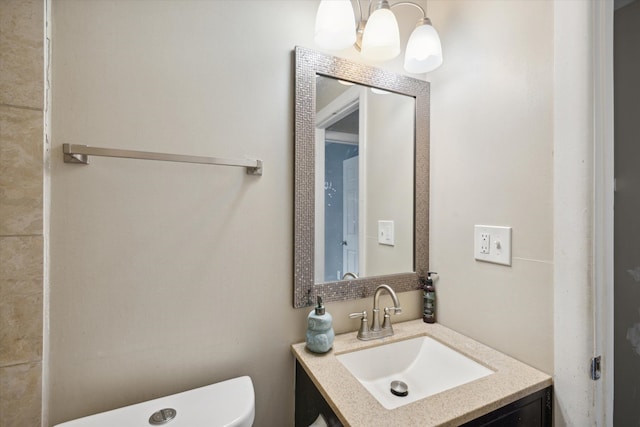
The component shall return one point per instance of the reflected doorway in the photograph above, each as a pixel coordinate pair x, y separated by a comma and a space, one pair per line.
341, 195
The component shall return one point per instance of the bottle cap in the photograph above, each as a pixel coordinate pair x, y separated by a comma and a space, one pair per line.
429, 279
320, 307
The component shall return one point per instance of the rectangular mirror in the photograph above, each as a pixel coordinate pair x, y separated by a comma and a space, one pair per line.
361, 179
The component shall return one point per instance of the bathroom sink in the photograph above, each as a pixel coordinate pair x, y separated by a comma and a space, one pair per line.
423, 364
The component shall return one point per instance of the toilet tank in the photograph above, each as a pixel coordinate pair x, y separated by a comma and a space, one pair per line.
228, 403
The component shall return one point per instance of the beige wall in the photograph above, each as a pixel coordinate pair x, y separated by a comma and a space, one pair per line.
21, 210
165, 277
492, 163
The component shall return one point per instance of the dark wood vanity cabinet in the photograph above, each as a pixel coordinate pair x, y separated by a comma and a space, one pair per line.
310, 403
534, 410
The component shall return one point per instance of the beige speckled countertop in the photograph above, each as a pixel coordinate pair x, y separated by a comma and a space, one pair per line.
353, 404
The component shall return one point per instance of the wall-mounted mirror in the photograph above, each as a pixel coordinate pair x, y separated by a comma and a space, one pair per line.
361, 179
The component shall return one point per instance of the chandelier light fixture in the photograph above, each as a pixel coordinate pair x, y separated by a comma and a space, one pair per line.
377, 37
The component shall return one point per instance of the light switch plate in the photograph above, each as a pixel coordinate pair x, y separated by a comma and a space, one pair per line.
385, 233
492, 244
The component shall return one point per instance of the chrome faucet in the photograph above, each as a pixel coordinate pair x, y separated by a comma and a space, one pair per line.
365, 332
348, 273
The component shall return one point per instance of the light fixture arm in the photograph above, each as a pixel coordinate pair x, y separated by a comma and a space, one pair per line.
421, 21
360, 9
361, 24
408, 3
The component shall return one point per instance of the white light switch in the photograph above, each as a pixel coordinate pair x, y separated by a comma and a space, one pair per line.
385, 233
492, 244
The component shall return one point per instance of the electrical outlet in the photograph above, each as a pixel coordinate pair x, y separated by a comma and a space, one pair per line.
492, 244
485, 238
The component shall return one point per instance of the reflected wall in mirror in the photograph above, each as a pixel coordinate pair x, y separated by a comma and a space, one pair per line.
364, 181
361, 179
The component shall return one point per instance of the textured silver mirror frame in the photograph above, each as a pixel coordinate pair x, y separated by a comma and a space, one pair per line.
308, 63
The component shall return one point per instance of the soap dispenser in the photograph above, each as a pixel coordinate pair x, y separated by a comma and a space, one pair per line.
319, 329
429, 299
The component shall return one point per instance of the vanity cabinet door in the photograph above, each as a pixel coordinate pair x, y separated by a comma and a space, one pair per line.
534, 410
310, 403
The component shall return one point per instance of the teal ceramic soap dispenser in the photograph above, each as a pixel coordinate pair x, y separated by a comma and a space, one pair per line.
320, 333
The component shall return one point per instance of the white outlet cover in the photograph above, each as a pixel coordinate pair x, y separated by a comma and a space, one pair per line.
499, 244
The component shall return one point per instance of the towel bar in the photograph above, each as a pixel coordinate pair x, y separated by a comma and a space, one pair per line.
74, 153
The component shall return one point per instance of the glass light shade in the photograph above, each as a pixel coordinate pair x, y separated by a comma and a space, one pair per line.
335, 25
424, 50
381, 38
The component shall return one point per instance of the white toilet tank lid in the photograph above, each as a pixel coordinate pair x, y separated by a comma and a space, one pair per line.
228, 403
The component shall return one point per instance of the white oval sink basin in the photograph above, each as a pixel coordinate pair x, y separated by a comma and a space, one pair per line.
425, 365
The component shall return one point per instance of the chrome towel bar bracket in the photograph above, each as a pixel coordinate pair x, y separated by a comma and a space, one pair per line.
74, 153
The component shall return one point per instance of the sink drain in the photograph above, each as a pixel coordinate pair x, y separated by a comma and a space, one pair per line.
399, 388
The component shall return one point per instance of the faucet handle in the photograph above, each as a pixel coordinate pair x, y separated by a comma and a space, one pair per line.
362, 315
364, 325
386, 322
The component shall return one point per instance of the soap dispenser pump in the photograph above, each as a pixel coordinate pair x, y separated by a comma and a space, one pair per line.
320, 333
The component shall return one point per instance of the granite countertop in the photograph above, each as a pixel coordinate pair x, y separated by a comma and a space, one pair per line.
353, 404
